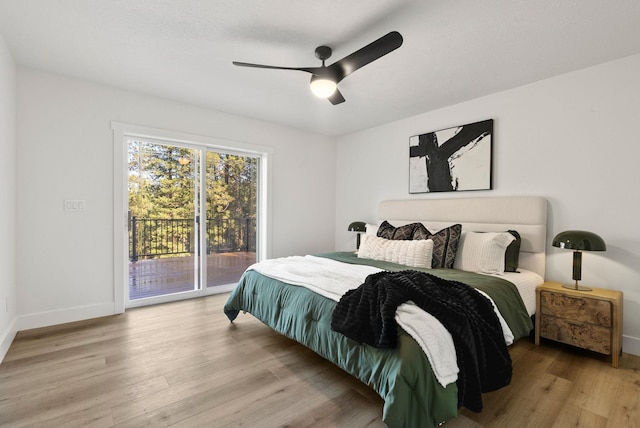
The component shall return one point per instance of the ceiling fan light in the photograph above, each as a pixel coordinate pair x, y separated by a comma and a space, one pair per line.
322, 87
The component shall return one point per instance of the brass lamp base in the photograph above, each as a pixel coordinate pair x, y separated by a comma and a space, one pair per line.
577, 287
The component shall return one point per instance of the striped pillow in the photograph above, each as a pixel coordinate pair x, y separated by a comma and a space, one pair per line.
483, 251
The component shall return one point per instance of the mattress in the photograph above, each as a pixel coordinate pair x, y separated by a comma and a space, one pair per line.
526, 283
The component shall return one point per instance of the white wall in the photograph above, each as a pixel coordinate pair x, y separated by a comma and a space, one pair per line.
65, 151
7, 198
571, 139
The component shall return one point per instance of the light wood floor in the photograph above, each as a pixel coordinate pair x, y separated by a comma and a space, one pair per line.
183, 364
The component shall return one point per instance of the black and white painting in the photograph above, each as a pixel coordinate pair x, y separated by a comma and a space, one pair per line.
453, 159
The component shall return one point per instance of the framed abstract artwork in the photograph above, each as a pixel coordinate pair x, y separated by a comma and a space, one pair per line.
452, 159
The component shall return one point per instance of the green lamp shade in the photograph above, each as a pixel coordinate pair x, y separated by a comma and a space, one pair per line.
579, 240
358, 226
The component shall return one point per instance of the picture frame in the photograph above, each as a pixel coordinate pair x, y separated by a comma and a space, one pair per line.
452, 159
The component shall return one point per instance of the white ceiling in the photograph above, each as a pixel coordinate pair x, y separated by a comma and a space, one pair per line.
454, 50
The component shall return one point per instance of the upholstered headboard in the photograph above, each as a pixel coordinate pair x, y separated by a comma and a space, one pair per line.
525, 214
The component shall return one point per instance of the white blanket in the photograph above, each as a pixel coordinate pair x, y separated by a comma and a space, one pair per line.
332, 279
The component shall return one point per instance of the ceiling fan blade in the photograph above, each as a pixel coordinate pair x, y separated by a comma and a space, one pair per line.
336, 98
312, 70
367, 54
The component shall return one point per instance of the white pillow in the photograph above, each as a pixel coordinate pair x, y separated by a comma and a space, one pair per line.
408, 253
372, 229
482, 251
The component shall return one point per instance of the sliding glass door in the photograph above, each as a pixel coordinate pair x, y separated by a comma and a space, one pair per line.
231, 186
192, 218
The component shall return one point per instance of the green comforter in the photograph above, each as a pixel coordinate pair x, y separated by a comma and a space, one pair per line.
402, 376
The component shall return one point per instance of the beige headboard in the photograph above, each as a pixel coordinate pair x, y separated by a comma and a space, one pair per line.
525, 214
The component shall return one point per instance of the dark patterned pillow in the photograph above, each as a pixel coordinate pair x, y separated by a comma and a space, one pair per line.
420, 232
445, 244
387, 231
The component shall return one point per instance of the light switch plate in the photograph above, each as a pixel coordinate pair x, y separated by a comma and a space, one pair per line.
74, 205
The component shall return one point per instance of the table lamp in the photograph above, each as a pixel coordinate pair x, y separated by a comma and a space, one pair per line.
578, 241
358, 227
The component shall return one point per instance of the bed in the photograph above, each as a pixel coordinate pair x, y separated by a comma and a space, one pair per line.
419, 390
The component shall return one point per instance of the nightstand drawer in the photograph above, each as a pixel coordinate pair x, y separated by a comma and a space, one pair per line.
586, 336
581, 309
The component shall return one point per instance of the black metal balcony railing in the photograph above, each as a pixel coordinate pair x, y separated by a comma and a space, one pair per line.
150, 238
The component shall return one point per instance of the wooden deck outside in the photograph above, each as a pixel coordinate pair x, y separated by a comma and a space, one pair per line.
155, 277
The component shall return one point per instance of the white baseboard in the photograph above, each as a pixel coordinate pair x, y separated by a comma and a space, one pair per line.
61, 316
7, 339
631, 345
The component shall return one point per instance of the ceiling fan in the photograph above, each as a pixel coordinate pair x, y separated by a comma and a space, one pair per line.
324, 80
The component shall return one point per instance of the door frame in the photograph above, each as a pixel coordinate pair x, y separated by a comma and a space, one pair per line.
124, 131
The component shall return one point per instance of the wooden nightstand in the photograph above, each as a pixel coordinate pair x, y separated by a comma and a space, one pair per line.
587, 319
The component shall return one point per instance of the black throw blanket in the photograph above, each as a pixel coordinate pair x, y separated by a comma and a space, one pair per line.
367, 315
